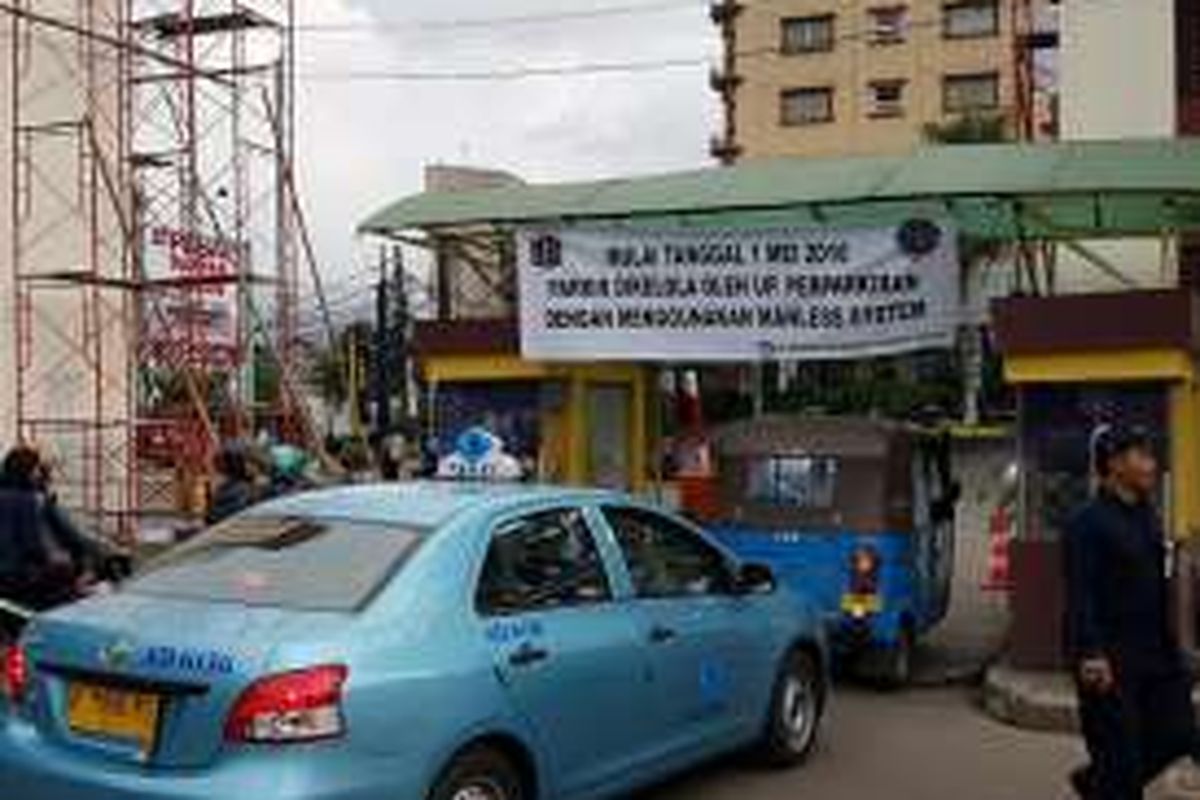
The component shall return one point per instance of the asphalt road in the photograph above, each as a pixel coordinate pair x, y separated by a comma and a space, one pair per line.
918, 745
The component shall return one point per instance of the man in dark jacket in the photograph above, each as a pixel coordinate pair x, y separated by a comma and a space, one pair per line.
44, 559
236, 490
1134, 688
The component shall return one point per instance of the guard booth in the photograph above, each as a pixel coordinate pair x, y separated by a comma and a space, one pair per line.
568, 423
1079, 362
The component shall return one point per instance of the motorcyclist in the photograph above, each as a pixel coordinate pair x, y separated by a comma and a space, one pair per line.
237, 489
45, 560
287, 469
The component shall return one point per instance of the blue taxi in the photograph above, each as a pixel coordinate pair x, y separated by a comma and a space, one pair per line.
441, 641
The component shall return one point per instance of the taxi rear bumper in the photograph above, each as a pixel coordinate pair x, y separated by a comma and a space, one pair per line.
35, 769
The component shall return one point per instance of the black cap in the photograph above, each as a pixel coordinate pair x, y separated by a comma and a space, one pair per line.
1111, 441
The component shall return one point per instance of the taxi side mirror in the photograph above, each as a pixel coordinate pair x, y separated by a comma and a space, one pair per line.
754, 579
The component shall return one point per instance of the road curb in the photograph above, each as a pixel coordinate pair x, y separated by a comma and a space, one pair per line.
1037, 701
948, 676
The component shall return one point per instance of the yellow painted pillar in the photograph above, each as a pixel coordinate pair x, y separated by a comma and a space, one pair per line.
1185, 504
1185, 461
577, 429
639, 444
552, 455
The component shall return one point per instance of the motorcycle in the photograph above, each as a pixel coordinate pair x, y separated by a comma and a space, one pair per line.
105, 574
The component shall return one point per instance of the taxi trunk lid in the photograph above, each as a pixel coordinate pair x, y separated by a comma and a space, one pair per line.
183, 662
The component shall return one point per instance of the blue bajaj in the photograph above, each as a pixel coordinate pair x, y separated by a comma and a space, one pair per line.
858, 514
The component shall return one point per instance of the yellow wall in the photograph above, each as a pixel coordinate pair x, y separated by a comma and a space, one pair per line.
1083, 367
565, 431
1185, 460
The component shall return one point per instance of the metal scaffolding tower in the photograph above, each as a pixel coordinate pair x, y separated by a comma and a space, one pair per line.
211, 139
69, 261
1036, 33
1036, 43
153, 240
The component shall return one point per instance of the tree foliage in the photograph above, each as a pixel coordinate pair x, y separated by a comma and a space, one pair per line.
970, 129
328, 373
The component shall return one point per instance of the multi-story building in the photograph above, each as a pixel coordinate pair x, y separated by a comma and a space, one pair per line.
844, 77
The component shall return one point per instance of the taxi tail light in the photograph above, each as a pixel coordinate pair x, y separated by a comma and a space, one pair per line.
16, 673
864, 571
291, 708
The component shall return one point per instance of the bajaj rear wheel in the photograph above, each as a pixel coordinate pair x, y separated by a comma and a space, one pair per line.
892, 667
480, 773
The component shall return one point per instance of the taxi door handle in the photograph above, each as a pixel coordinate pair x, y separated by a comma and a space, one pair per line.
661, 634
528, 655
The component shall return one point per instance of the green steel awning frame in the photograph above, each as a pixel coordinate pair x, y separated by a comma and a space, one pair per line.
1057, 192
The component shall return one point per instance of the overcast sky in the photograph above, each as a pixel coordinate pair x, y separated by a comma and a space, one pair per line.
363, 143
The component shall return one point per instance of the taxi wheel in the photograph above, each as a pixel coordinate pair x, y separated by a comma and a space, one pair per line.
797, 705
479, 773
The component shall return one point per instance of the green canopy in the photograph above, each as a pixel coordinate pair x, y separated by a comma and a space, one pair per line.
1065, 190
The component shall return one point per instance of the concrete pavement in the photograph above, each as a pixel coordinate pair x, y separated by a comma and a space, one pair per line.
1040, 701
917, 745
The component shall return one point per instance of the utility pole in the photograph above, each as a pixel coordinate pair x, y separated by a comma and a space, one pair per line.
401, 335
353, 364
384, 361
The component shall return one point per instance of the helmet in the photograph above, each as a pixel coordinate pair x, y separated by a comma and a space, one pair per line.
288, 461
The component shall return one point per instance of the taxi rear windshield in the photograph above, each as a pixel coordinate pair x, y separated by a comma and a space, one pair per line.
300, 563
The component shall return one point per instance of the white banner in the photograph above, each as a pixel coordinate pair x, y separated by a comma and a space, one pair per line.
591, 293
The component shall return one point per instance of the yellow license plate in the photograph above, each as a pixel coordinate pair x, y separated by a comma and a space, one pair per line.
860, 605
114, 713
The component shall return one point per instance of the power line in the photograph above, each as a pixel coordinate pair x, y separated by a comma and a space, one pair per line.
570, 70
342, 284
513, 74
517, 20
348, 286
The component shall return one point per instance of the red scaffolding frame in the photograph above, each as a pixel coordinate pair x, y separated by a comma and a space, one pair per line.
69, 263
210, 139
153, 247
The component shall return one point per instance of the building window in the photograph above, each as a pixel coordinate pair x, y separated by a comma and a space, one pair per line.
962, 94
885, 99
971, 19
810, 106
888, 25
807, 35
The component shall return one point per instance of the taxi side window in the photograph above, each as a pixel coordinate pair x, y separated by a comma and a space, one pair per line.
665, 559
542, 562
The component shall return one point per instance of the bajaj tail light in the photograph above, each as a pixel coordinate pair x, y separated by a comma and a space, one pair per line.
16, 673
864, 571
294, 707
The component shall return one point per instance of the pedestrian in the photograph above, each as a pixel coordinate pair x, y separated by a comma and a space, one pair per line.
45, 560
1133, 683
237, 489
391, 457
